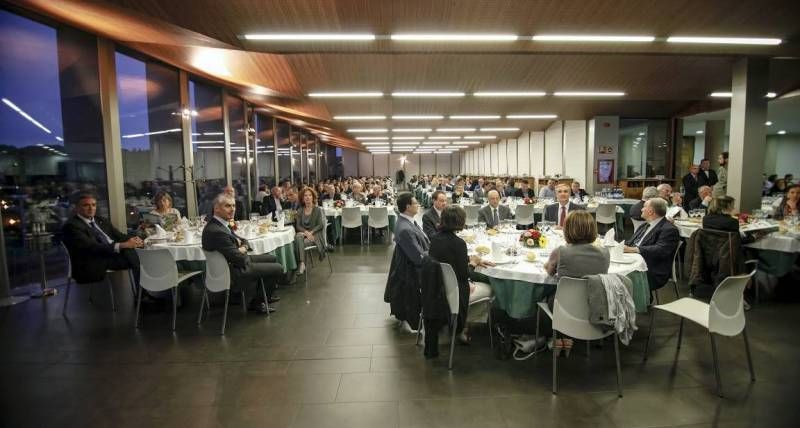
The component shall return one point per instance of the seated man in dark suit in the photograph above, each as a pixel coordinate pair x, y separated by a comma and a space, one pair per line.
274, 203
656, 241
96, 246
524, 190
494, 213
376, 194
559, 211
703, 200
430, 220
576, 191
246, 269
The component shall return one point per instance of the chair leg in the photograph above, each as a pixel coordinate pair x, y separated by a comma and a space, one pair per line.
454, 324
66, 297
489, 326
716, 363
650, 334
677, 295
619, 367
138, 311
202, 306
134, 286
225, 311
244, 303
264, 295
111, 293
680, 333
749, 358
555, 364
174, 306
330, 263
419, 330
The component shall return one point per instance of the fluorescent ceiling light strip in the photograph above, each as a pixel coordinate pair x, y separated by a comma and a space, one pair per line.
360, 117
499, 129
211, 147
345, 94
431, 143
459, 146
213, 133
416, 137
455, 129
730, 94
371, 138
375, 143
303, 37
25, 115
431, 94
59, 139
411, 130
474, 117
589, 94
471, 143
164, 131
444, 137
208, 142
725, 40
445, 37
509, 94
531, 116
367, 130
417, 117
591, 38
481, 137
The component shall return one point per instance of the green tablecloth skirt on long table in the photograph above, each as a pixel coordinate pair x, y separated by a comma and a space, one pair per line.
518, 298
335, 230
285, 256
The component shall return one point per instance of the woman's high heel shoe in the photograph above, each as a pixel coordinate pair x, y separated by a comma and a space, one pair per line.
566, 345
556, 346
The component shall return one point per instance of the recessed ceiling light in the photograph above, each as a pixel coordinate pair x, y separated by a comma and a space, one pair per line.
455, 129
730, 94
481, 137
411, 129
474, 116
458, 147
303, 37
433, 94
781, 132
771, 95
361, 117
372, 138
367, 130
408, 138
641, 134
345, 94
589, 94
725, 40
531, 116
444, 137
591, 38
768, 123
698, 132
471, 143
499, 129
509, 94
417, 117
433, 37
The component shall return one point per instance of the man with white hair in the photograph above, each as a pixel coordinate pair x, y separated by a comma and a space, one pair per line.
636, 210
703, 199
549, 191
665, 192
656, 240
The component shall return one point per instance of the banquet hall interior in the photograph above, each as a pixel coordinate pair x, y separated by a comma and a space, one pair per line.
316, 134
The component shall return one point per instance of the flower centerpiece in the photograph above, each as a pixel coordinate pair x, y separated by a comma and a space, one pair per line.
529, 201
339, 203
532, 238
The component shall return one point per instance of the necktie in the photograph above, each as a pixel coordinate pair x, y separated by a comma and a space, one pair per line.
563, 218
637, 237
99, 234
495, 217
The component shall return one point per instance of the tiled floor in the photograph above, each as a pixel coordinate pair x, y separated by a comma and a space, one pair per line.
331, 357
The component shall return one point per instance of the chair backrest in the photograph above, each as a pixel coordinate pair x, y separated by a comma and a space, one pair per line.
637, 223
450, 287
378, 217
218, 273
351, 217
726, 311
571, 310
69, 260
675, 260
472, 214
606, 214
524, 214
157, 269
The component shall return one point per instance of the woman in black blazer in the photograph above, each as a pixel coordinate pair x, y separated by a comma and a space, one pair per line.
448, 248
719, 218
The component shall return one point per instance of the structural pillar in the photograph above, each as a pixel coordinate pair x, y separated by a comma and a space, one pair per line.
747, 132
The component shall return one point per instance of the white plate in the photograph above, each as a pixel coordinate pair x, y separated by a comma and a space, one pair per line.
502, 262
182, 244
626, 260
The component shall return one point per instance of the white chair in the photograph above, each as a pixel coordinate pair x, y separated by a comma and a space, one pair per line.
378, 219
472, 214
159, 272
70, 280
523, 215
570, 317
451, 293
637, 223
489, 301
310, 257
606, 214
351, 219
723, 316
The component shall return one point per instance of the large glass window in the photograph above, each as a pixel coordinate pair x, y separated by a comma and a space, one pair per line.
644, 148
240, 157
150, 124
265, 143
208, 143
335, 166
51, 140
297, 163
284, 152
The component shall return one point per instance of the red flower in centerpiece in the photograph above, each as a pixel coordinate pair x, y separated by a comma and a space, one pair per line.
530, 235
529, 201
338, 204
232, 225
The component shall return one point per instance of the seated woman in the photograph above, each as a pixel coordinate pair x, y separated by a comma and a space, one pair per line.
358, 194
789, 204
579, 257
458, 193
168, 215
719, 217
309, 225
448, 248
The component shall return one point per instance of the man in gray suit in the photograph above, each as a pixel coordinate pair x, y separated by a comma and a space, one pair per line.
430, 220
493, 213
558, 212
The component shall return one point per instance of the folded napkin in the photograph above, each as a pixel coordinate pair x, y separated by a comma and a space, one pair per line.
608, 239
160, 232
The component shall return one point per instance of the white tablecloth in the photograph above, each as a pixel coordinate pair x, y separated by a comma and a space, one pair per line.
534, 272
336, 212
538, 208
261, 245
775, 241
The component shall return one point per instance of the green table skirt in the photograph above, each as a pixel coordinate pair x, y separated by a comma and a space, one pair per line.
518, 298
776, 263
335, 230
285, 256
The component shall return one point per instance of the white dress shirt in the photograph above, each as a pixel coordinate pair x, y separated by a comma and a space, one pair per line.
89, 222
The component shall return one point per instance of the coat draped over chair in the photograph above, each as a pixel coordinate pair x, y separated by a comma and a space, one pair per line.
403, 285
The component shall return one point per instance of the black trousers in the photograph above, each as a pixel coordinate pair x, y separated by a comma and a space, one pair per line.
262, 267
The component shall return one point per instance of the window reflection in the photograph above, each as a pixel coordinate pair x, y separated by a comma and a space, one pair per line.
150, 124
643, 148
284, 152
208, 143
265, 144
239, 153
